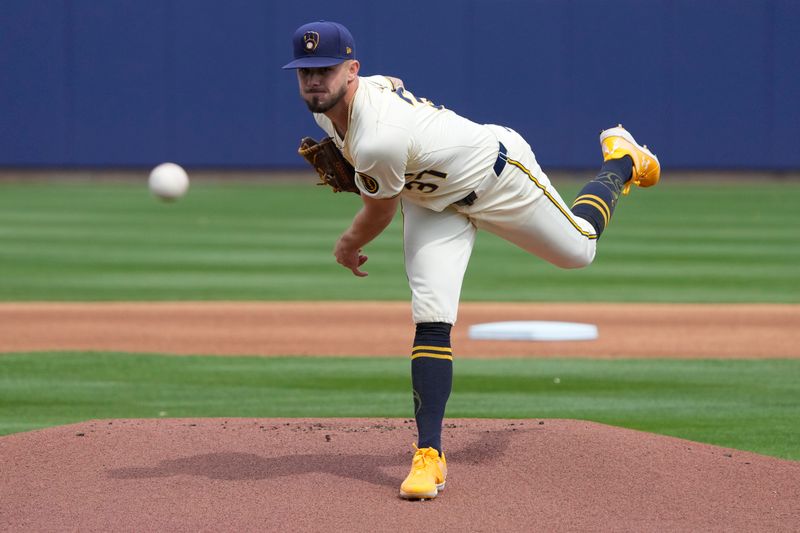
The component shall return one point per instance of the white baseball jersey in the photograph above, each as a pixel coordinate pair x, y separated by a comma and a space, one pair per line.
399, 143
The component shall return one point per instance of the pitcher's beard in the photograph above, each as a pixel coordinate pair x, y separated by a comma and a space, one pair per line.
315, 106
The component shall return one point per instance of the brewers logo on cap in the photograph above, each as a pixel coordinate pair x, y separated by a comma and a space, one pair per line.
370, 184
311, 40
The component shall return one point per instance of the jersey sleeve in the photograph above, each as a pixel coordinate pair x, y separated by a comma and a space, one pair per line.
381, 165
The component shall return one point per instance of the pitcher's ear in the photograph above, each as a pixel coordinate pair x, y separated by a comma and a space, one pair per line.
352, 69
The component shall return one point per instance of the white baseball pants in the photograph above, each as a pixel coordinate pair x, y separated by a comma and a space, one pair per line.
520, 205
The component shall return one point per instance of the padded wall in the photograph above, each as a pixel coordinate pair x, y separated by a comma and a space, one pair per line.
128, 83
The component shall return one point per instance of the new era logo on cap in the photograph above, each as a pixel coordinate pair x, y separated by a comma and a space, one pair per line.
321, 44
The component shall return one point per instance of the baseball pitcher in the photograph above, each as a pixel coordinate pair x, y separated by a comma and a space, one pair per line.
451, 177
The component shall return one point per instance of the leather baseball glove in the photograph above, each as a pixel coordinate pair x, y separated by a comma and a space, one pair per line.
333, 169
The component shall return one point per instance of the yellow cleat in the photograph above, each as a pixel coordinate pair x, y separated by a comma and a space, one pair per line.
427, 476
618, 142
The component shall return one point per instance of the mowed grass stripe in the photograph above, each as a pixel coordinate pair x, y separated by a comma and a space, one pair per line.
678, 242
218, 238
195, 257
744, 404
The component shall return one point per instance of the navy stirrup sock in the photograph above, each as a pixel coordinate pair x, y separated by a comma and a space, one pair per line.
432, 379
598, 198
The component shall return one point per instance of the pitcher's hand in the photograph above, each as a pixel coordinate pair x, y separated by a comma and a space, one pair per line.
350, 258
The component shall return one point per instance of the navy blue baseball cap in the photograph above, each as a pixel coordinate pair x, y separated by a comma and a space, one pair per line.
321, 44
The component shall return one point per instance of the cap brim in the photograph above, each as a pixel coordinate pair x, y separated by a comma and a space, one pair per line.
314, 62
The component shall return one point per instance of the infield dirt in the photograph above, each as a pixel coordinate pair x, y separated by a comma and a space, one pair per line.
343, 475
385, 329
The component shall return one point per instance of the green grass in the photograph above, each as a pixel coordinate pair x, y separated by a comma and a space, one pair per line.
679, 242
743, 404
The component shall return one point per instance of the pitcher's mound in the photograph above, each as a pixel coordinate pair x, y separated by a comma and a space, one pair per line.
344, 474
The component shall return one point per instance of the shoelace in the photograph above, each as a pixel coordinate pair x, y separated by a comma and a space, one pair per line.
424, 456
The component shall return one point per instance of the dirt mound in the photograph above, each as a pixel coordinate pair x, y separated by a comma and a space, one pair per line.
344, 474
385, 329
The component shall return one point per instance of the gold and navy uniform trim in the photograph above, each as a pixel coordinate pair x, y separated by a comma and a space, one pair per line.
370, 184
549, 196
435, 352
596, 202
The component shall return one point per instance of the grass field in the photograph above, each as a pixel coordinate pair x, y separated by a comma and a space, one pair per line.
683, 242
677, 243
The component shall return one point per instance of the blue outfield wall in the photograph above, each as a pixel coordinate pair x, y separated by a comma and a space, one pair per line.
131, 83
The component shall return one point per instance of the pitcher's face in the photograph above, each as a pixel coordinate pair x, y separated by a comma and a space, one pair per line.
323, 87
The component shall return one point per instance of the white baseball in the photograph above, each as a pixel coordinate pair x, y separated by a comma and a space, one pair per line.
168, 181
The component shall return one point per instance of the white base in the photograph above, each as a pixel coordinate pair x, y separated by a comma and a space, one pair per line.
533, 330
